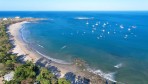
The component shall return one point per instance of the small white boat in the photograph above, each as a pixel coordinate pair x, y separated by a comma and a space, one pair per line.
121, 26
108, 32
129, 29
97, 24
98, 37
87, 23
104, 24
103, 30
93, 25
134, 27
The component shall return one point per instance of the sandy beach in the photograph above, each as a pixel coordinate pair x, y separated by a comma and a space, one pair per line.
22, 49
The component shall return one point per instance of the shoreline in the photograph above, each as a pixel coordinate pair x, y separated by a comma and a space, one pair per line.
22, 49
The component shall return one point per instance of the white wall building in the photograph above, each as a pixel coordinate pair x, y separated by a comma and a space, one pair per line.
9, 76
5, 19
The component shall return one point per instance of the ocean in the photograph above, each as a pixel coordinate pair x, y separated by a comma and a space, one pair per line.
113, 44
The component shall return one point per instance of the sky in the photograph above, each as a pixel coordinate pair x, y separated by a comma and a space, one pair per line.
73, 5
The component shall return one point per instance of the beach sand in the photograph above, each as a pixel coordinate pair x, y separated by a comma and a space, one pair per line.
22, 49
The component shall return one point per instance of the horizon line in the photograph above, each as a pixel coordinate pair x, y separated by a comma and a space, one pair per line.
74, 10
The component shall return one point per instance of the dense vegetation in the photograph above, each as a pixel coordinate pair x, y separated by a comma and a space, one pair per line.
26, 73
6, 58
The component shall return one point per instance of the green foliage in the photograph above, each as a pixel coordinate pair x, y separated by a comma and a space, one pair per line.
25, 71
5, 46
46, 77
12, 82
63, 81
7, 58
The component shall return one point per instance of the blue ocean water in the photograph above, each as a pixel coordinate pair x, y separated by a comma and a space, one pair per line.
114, 42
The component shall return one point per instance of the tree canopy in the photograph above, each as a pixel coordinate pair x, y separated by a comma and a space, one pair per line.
46, 77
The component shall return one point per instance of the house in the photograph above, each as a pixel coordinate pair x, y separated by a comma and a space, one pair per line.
9, 76
5, 19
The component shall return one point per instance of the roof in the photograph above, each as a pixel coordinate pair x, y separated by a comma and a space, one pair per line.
9, 76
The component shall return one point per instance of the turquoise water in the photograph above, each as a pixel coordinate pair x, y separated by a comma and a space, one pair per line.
114, 42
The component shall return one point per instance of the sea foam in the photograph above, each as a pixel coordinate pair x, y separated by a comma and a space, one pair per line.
40, 46
55, 60
22, 35
118, 65
63, 47
109, 76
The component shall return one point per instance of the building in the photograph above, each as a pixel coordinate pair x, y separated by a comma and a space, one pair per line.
5, 19
9, 76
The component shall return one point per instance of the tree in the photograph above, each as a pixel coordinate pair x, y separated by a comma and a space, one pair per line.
46, 77
25, 71
63, 81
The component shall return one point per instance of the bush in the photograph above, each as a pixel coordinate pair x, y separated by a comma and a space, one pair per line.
63, 81
46, 77
25, 71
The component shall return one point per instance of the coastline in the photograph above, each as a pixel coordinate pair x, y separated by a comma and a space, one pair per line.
22, 49
106, 56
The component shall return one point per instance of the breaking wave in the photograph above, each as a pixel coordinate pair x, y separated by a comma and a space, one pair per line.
108, 76
40, 46
55, 60
22, 34
118, 65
